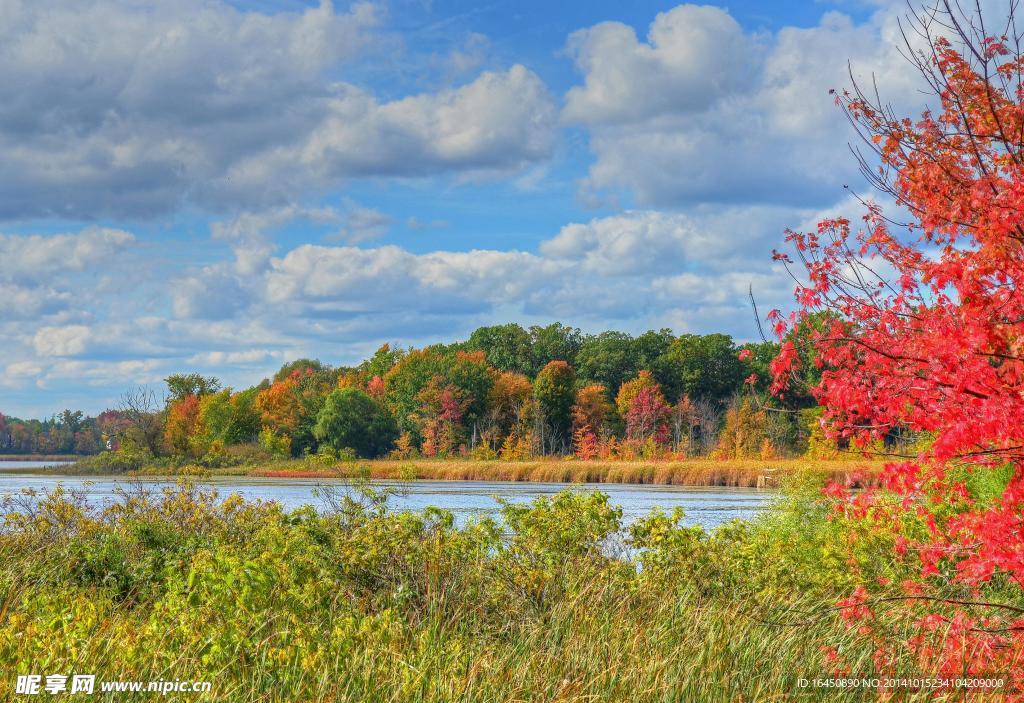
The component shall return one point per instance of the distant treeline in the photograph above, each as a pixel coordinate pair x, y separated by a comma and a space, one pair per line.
506, 392
70, 432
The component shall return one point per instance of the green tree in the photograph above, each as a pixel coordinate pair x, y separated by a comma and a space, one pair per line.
707, 367
554, 342
382, 361
758, 362
507, 347
555, 391
608, 358
352, 419
180, 385
466, 371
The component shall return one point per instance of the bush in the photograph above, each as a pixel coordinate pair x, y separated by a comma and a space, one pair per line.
364, 604
128, 458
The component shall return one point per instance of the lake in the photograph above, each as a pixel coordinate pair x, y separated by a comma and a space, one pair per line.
707, 507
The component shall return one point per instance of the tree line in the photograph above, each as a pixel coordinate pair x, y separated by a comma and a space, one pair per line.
70, 432
506, 392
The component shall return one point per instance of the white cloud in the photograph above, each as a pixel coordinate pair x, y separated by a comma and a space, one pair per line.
637, 243
70, 340
120, 108
349, 280
702, 113
502, 121
22, 369
35, 257
619, 267
247, 357
693, 56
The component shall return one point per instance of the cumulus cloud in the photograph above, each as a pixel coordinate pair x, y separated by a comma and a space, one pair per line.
618, 267
40, 274
69, 340
641, 242
35, 257
693, 56
702, 112
349, 280
501, 121
116, 108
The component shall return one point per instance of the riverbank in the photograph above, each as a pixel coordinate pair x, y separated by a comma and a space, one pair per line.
748, 473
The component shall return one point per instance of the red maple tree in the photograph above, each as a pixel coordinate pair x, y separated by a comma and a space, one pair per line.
925, 334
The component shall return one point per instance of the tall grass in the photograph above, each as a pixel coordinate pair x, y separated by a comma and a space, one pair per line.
557, 601
748, 473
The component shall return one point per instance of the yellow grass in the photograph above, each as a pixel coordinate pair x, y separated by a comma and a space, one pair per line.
690, 472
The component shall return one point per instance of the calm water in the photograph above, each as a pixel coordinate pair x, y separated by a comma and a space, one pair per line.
704, 506
6, 465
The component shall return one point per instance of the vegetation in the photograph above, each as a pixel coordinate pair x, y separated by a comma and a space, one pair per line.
747, 473
498, 396
558, 600
350, 419
71, 432
932, 348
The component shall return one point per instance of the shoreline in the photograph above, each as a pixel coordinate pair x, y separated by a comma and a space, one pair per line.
696, 473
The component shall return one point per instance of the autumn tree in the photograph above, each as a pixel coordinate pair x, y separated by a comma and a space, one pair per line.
289, 406
642, 405
442, 407
592, 407
589, 415
509, 403
630, 389
279, 406
304, 367
466, 371
745, 432
382, 361
924, 331
181, 424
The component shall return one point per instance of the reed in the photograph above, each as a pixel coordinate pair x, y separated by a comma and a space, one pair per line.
694, 472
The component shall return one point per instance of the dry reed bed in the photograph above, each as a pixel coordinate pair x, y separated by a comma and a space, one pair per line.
742, 473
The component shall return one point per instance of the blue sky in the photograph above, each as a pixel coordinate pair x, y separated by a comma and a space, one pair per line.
224, 186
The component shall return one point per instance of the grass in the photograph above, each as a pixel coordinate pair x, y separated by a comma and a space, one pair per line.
750, 473
557, 602
694, 472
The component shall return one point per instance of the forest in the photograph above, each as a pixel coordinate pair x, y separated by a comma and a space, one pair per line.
505, 393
